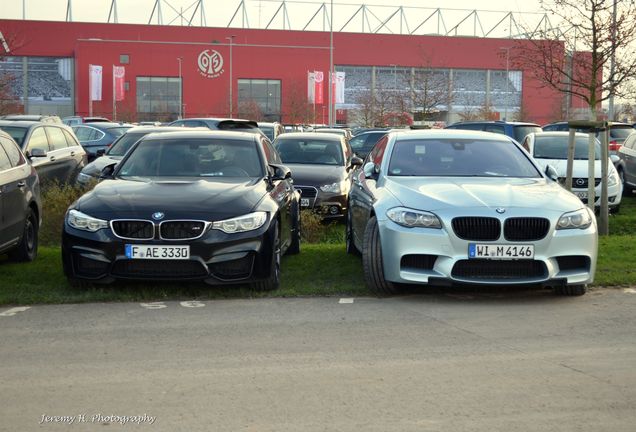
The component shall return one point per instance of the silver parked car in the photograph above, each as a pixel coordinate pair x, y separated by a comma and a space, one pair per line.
466, 207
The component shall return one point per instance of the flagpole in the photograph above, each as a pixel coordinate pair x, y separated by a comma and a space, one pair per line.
90, 91
114, 97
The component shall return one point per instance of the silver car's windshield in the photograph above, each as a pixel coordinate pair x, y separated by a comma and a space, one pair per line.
193, 158
459, 158
551, 147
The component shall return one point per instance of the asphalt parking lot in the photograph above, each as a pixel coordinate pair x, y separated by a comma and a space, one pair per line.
445, 361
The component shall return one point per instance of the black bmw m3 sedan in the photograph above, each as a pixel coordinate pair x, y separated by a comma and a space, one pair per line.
201, 205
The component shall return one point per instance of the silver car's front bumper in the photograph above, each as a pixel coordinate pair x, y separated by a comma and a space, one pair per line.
447, 250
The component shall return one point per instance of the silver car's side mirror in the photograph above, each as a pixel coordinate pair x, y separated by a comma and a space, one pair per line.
371, 170
552, 173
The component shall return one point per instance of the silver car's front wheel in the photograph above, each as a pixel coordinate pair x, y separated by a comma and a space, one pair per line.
372, 262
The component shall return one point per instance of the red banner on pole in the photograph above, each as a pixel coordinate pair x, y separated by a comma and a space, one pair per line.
119, 73
319, 79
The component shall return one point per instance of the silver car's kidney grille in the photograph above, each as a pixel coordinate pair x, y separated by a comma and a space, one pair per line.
526, 229
133, 229
477, 228
500, 270
181, 230
580, 182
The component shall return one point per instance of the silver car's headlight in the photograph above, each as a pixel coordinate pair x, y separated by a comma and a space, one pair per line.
85, 178
84, 222
332, 188
248, 222
413, 218
580, 219
612, 179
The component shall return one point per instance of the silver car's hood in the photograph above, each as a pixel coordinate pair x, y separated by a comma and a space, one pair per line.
435, 193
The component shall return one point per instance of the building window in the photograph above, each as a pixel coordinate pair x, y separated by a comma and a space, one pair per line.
124, 59
259, 99
158, 98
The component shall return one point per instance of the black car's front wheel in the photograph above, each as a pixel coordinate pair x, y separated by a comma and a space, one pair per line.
372, 262
273, 280
27, 249
294, 246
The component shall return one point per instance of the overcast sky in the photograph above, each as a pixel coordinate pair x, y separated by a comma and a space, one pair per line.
219, 12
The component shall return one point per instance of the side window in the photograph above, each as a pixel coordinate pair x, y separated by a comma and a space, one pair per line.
82, 132
5, 163
57, 140
526, 144
270, 153
70, 140
38, 140
495, 128
357, 142
95, 135
192, 123
629, 142
15, 155
378, 151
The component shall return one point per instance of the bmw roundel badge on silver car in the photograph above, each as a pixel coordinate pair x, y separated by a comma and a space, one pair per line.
197, 205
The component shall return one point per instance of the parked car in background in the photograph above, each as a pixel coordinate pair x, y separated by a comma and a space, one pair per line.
321, 166
119, 148
626, 165
271, 130
75, 120
442, 207
345, 132
551, 148
52, 148
618, 133
98, 136
226, 124
32, 117
191, 205
515, 130
293, 128
362, 143
20, 205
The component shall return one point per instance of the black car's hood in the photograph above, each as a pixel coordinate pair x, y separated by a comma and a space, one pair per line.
206, 199
316, 175
95, 168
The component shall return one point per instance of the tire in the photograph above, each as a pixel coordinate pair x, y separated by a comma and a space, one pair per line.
615, 209
294, 246
273, 280
350, 245
27, 249
372, 262
571, 290
627, 191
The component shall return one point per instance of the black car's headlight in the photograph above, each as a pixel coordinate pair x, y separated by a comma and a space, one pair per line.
248, 222
84, 222
580, 219
413, 218
336, 187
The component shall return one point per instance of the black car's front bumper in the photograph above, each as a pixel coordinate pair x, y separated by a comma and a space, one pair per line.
216, 257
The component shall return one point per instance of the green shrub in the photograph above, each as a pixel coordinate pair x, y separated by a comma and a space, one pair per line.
313, 229
56, 198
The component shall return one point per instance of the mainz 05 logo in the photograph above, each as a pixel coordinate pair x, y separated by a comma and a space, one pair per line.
210, 63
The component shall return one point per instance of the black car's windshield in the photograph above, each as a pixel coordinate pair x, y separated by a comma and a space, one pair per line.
310, 151
17, 133
121, 146
551, 147
459, 157
117, 131
193, 158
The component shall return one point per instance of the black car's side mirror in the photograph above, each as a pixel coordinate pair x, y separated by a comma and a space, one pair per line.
280, 172
100, 152
107, 171
552, 173
356, 161
36, 152
371, 170
615, 159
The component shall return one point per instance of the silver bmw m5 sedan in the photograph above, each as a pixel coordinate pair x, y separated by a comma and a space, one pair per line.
463, 207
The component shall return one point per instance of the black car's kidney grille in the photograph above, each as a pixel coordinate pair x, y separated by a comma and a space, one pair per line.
159, 269
477, 228
497, 269
307, 191
181, 230
133, 229
580, 182
526, 228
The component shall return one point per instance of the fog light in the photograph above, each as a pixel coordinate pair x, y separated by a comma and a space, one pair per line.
334, 210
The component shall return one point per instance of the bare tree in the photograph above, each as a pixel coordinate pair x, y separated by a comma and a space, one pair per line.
250, 109
299, 110
580, 65
9, 100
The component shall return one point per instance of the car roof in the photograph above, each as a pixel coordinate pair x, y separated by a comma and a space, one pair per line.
26, 124
310, 136
559, 134
513, 123
202, 134
610, 123
448, 134
104, 125
151, 129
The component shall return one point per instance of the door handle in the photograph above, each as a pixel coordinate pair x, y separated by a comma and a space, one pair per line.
52, 158
21, 184
72, 153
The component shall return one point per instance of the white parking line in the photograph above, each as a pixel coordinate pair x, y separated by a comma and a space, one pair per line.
15, 310
154, 305
346, 301
192, 304
629, 291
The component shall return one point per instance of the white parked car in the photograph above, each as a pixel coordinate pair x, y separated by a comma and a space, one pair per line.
551, 148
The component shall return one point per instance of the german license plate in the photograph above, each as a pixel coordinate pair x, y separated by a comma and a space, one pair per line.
499, 251
581, 195
136, 251
304, 202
